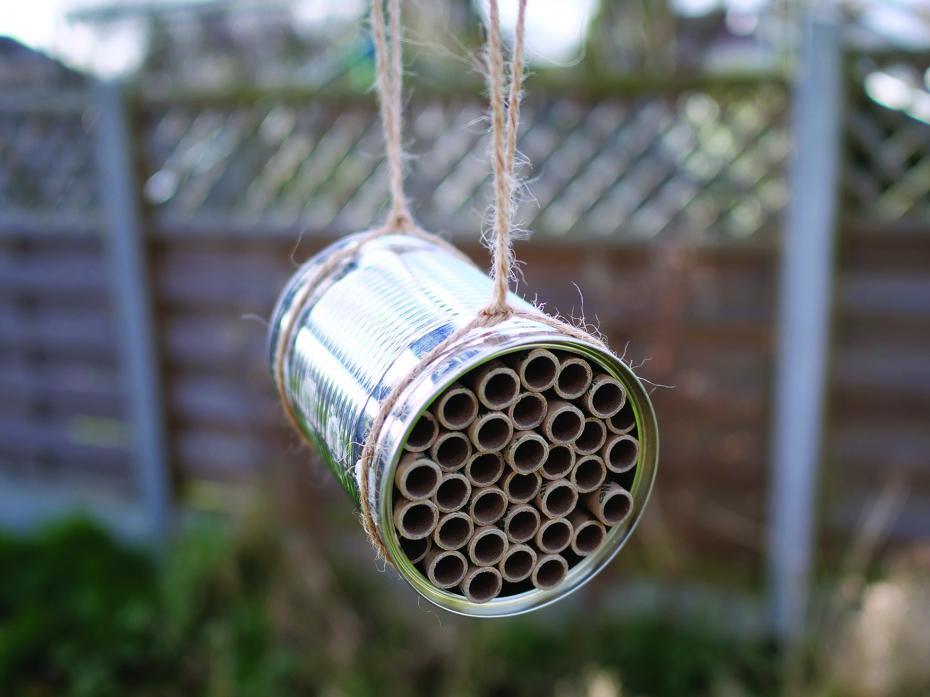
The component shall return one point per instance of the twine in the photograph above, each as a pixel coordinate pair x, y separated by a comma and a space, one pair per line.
505, 116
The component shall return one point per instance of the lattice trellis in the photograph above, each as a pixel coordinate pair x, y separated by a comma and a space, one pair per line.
706, 164
688, 163
887, 172
46, 162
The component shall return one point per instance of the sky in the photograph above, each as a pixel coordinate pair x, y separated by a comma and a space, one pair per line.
555, 28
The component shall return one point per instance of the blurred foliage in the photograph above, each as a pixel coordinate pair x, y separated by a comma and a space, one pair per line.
240, 614
256, 610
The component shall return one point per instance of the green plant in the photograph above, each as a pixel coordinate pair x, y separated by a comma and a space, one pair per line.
259, 610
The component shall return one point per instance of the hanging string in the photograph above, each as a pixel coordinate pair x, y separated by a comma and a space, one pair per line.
389, 83
504, 125
504, 147
389, 86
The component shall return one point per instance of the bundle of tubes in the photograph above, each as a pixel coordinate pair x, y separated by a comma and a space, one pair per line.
515, 474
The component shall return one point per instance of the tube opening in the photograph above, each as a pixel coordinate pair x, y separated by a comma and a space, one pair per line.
500, 388
607, 398
522, 525
566, 426
493, 432
415, 549
528, 454
588, 538
458, 408
589, 474
592, 437
528, 411
559, 462
549, 572
623, 421
417, 519
518, 564
574, 378
487, 547
420, 480
538, 371
484, 468
423, 434
482, 585
560, 498
453, 531
451, 451
554, 535
616, 506
621, 454
488, 506
521, 488
448, 569
453, 492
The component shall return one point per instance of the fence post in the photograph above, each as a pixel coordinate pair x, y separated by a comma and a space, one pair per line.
126, 251
805, 296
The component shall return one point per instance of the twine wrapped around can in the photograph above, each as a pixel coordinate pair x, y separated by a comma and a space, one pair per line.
368, 336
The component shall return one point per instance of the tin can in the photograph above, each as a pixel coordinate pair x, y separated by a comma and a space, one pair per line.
361, 329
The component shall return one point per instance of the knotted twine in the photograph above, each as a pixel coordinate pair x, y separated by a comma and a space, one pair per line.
505, 118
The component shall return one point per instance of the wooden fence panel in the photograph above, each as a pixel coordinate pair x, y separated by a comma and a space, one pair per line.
62, 414
658, 206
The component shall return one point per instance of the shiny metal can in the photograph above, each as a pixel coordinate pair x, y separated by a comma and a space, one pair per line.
360, 330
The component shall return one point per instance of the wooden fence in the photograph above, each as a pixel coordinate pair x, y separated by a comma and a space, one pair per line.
143, 238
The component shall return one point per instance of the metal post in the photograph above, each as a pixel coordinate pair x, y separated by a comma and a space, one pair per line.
125, 247
805, 293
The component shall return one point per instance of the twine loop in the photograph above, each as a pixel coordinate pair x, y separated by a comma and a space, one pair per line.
496, 312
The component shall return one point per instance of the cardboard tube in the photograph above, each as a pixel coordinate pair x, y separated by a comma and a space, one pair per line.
528, 411
620, 453
526, 452
487, 546
453, 492
517, 563
495, 385
624, 421
554, 535
563, 423
423, 434
592, 436
415, 519
456, 408
521, 488
481, 584
610, 504
521, 523
574, 378
491, 431
417, 477
588, 474
538, 369
484, 469
556, 498
416, 550
605, 397
559, 462
453, 531
488, 505
549, 571
588, 534
445, 568
451, 451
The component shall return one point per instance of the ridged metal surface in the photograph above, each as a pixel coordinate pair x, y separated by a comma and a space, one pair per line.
364, 327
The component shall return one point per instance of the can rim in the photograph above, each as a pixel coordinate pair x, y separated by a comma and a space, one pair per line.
412, 404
